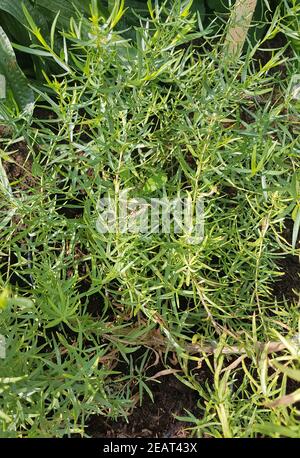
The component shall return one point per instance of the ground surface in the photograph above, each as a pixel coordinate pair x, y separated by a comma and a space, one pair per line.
153, 419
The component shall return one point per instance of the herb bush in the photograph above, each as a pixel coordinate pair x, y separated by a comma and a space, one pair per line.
159, 117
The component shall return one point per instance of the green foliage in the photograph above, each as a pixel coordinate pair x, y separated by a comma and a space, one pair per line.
51, 17
79, 308
46, 15
16, 81
292, 23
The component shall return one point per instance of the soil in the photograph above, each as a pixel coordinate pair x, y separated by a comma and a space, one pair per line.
18, 167
153, 419
288, 285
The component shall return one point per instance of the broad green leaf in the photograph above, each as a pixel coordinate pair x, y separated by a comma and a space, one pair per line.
221, 6
198, 6
66, 9
14, 8
15, 78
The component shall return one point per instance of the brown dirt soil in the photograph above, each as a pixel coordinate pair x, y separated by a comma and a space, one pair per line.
18, 167
288, 285
153, 419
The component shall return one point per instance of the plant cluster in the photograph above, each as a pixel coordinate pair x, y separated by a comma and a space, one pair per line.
158, 116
